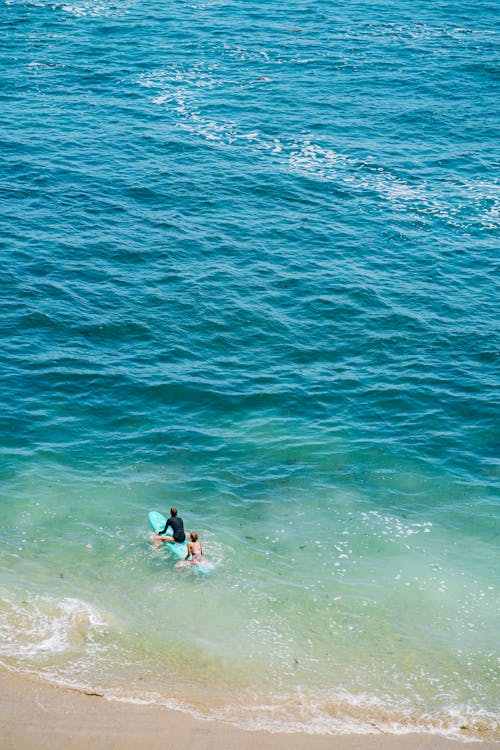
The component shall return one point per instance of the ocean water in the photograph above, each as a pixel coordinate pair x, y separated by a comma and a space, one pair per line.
250, 268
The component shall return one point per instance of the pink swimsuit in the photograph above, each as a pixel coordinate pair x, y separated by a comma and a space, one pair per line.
196, 555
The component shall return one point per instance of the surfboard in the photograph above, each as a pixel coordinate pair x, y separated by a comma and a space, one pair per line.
179, 550
158, 521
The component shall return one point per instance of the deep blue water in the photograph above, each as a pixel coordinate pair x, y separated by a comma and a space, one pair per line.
250, 267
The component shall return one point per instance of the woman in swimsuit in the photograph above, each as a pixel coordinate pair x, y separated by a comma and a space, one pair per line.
195, 551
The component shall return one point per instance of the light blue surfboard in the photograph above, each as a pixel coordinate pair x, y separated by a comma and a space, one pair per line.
179, 550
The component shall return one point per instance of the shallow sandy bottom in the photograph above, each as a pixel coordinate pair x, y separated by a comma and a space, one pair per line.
36, 715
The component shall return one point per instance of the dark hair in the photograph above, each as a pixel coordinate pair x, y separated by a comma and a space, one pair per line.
194, 536
173, 511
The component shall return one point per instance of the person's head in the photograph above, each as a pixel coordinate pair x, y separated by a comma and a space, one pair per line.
173, 512
194, 536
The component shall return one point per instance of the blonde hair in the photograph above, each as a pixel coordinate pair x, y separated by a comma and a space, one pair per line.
194, 536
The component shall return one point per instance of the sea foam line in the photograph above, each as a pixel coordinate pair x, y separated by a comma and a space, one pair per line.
459, 203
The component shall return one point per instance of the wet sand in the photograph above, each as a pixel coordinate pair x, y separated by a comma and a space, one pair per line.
34, 714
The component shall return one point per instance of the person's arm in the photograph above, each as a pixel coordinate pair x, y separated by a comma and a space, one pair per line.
189, 551
165, 529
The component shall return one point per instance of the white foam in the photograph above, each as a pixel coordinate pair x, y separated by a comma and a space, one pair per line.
95, 8
92, 8
41, 626
333, 714
458, 203
345, 713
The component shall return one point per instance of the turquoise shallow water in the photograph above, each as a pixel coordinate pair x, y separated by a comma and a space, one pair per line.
250, 267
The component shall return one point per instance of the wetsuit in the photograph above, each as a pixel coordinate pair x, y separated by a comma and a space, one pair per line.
177, 526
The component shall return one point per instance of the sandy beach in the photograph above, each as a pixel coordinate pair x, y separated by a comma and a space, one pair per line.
34, 714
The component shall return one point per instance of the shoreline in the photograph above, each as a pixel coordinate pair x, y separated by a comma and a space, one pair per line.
36, 714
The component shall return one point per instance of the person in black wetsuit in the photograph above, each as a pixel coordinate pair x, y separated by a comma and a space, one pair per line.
176, 524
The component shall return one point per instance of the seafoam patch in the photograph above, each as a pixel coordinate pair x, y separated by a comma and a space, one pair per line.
37, 628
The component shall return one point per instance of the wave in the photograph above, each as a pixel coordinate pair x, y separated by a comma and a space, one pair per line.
61, 642
39, 628
334, 714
